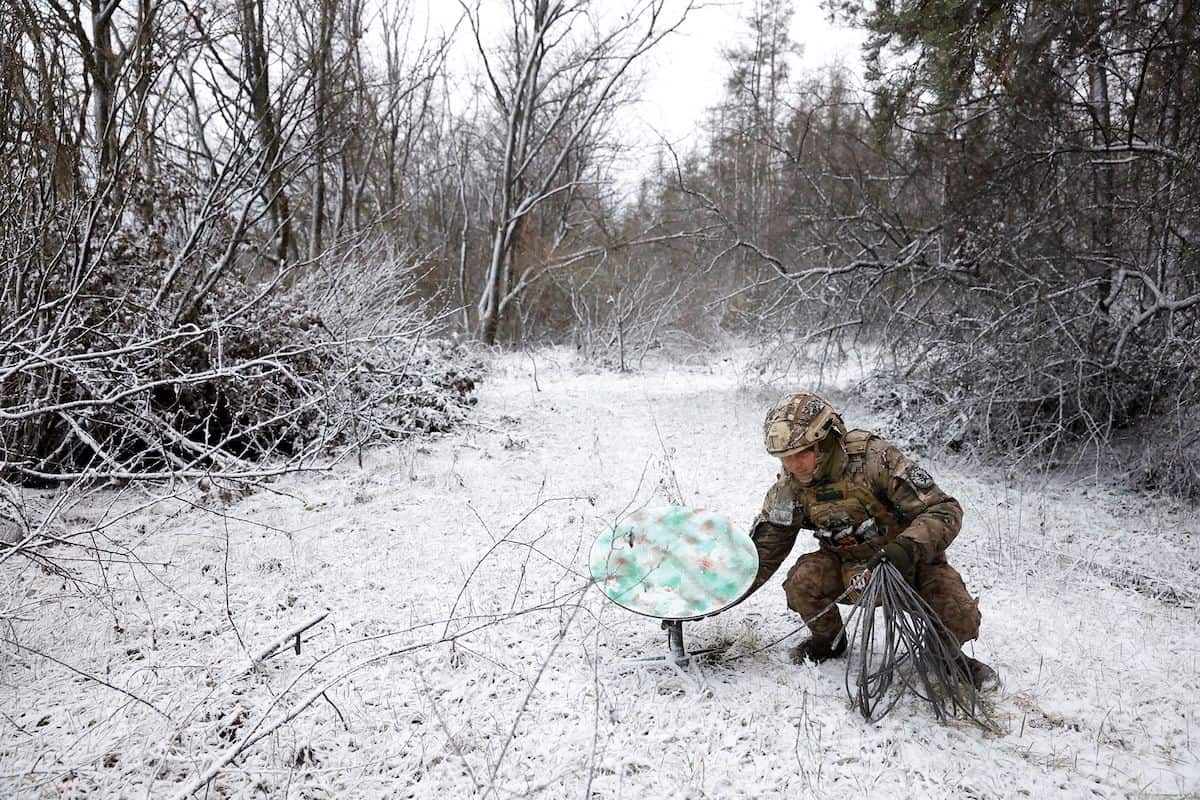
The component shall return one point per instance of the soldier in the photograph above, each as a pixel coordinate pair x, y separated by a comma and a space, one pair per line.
866, 503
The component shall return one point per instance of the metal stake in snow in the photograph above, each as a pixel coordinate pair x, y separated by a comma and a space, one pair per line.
676, 564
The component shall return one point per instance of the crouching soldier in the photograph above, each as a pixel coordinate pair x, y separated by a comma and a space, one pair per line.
866, 503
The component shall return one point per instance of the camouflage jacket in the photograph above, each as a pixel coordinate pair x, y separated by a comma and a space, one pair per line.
873, 495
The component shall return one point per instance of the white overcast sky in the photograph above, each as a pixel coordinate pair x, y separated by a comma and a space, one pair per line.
688, 72
685, 74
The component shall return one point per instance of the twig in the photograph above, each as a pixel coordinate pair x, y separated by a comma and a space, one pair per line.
89, 676
266, 652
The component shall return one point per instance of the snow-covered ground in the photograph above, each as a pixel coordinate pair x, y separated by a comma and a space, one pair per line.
465, 653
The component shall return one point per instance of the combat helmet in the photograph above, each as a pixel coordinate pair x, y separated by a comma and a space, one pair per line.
799, 421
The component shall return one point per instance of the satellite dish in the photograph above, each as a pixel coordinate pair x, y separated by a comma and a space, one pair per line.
675, 564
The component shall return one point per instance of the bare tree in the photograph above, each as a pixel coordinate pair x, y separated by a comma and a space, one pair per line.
553, 83
256, 79
187, 337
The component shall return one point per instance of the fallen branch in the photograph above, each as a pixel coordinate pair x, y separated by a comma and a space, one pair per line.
293, 633
89, 676
258, 732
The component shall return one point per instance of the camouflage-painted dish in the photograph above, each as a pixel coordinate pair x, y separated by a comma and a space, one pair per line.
674, 563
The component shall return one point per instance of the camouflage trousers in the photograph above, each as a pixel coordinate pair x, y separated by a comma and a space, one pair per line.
816, 580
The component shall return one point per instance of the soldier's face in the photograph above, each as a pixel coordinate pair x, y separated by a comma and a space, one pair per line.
802, 465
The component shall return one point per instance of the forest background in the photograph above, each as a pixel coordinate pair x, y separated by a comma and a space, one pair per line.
244, 238
237, 236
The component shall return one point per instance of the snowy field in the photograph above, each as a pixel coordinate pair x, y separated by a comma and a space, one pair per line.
465, 654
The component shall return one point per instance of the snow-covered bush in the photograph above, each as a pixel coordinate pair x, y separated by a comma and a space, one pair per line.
1167, 453
1027, 394
122, 371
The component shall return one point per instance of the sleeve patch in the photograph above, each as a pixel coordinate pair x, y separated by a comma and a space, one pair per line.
919, 478
921, 482
780, 506
780, 513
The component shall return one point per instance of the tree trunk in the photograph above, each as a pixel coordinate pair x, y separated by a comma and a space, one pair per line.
103, 86
489, 307
147, 157
321, 59
257, 81
1103, 177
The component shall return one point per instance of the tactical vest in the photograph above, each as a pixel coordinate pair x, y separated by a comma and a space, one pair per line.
848, 503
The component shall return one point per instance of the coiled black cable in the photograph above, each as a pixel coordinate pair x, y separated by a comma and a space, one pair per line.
914, 653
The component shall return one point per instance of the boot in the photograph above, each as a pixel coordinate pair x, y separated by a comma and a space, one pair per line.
982, 676
818, 650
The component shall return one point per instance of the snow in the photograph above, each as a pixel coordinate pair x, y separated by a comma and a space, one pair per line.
465, 653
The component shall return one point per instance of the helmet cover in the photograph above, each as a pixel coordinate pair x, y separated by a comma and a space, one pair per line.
797, 422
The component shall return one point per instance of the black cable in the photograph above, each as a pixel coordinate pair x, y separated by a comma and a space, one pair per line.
919, 653
916, 653
807, 624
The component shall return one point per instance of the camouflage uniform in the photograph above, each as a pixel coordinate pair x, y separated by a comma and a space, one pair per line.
866, 495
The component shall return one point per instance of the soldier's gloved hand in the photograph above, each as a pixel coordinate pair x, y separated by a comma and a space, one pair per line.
901, 554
